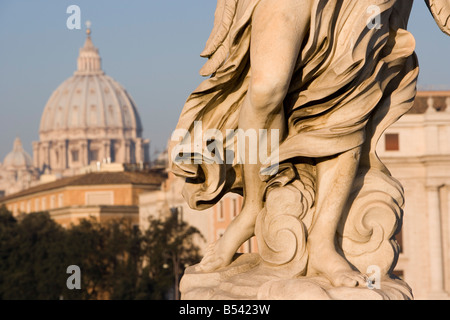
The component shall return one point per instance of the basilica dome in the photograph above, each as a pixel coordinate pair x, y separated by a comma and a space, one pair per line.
18, 158
90, 104
89, 118
17, 171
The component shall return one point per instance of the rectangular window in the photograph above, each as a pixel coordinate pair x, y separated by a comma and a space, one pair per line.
75, 156
392, 142
94, 155
221, 214
235, 208
52, 202
61, 200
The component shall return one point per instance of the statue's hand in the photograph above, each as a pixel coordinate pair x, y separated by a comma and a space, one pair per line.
441, 13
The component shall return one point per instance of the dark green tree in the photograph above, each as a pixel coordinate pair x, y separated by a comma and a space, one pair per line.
8, 240
32, 250
85, 248
117, 260
170, 245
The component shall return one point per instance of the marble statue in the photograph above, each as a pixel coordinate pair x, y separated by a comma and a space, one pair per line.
325, 78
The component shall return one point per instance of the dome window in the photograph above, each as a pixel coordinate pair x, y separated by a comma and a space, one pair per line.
93, 115
74, 116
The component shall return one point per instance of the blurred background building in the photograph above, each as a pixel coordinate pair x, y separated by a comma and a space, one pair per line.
90, 160
416, 150
17, 171
103, 195
89, 120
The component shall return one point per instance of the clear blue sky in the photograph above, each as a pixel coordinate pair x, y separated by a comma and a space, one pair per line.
151, 47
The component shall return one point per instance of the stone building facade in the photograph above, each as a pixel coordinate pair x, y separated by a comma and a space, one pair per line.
416, 150
102, 195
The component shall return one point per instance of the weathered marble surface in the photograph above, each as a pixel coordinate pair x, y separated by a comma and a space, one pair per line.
328, 78
247, 278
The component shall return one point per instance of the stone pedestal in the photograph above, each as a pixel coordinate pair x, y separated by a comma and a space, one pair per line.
281, 268
249, 278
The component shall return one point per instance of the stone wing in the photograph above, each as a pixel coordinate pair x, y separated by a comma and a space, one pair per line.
441, 13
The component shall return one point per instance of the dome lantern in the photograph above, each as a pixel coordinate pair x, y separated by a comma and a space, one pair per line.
89, 61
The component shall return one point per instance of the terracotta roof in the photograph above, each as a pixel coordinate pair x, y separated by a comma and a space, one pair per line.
439, 99
151, 178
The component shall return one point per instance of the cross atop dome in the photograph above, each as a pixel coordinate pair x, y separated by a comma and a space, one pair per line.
88, 26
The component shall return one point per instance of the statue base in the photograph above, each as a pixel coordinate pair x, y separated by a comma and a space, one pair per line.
248, 278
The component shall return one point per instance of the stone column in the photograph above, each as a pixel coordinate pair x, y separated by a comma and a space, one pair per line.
36, 155
138, 151
84, 156
46, 150
107, 150
126, 158
62, 160
435, 243
66, 154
